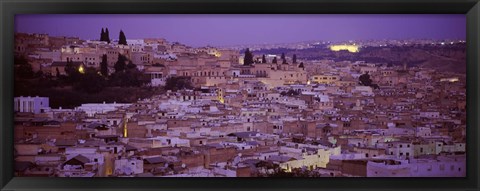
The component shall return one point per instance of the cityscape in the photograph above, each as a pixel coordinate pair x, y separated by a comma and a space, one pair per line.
212, 103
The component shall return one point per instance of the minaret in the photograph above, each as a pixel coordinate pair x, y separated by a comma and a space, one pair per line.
125, 121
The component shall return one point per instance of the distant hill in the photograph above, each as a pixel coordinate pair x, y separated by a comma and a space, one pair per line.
440, 57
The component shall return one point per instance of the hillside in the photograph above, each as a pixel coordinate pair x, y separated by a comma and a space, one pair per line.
439, 57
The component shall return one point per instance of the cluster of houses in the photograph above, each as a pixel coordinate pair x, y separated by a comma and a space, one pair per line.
243, 120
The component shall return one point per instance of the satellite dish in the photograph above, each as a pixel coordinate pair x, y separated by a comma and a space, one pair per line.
184, 165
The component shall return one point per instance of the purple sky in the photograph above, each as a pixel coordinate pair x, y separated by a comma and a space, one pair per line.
217, 30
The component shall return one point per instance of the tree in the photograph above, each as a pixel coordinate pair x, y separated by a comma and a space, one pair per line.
284, 60
72, 72
248, 58
294, 58
58, 72
107, 36
301, 65
133, 78
22, 68
365, 80
120, 64
264, 60
102, 35
90, 81
104, 66
122, 39
274, 61
131, 65
178, 83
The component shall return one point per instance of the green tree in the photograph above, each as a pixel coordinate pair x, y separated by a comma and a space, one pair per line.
178, 83
23, 69
72, 72
120, 64
274, 61
90, 82
131, 65
294, 58
365, 80
248, 58
264, 60
283, 56
58, 72
102, 35
104, 66
301, 65
284, 60
107, 36
122, 39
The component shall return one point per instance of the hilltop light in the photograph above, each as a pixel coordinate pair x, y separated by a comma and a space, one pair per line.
351, 48
81, 69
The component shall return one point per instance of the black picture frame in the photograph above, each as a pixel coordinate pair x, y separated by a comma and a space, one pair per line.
8, 9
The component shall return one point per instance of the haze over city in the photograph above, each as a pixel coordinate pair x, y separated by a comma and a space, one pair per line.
223, 30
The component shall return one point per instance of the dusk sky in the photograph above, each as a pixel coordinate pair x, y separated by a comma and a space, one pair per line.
219, 30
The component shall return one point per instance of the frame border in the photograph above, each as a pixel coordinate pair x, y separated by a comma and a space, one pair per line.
8, 9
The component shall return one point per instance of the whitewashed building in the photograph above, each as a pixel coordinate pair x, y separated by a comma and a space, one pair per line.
31, 104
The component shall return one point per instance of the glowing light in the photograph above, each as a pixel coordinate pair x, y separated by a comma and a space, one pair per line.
81, 69
221, 99
308, 82
125, 121
217, 54
351, 48
449, 80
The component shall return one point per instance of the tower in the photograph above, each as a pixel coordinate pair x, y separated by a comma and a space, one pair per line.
125, 121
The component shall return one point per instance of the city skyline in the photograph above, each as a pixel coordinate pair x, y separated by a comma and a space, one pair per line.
228, 30
154, 107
